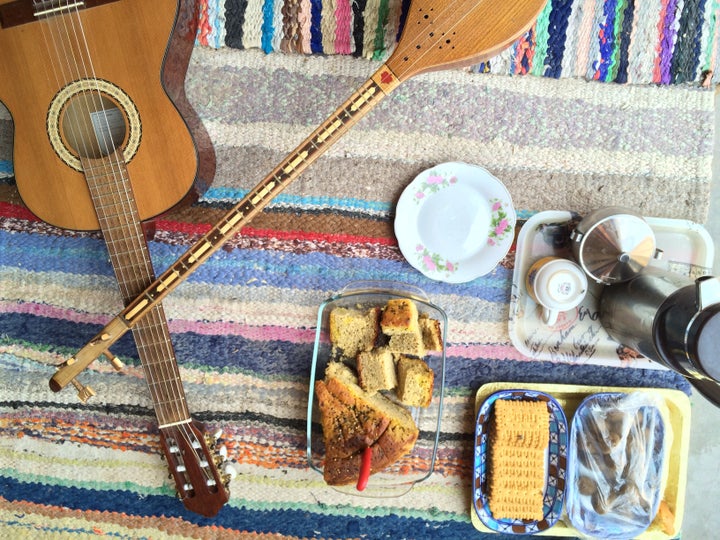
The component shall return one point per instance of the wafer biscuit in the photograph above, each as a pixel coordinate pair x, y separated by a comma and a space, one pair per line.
518, 444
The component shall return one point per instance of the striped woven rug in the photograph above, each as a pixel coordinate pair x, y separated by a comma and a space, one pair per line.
626, 41
244, 323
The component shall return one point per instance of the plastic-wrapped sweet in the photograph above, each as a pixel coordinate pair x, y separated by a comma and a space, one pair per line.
615, 471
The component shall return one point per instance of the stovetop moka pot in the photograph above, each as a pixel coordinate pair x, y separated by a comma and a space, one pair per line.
670, 319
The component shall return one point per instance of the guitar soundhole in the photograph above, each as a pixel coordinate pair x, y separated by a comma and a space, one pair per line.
92, 125
90, 119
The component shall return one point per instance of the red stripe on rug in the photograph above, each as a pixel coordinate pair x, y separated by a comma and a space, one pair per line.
16, 211
202, 228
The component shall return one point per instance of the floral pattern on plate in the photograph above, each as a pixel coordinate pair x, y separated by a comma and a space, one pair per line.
434, 262
499, 223
435, 181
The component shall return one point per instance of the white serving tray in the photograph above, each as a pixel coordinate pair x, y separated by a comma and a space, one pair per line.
578, 335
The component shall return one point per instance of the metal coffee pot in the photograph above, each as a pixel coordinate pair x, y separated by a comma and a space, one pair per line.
670, 319
613, 244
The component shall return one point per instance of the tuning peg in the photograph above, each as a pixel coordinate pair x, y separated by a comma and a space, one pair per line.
223, 452
114, 360
229, 473
212, 440
84, 392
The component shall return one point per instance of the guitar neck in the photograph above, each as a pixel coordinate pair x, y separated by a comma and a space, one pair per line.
117, 213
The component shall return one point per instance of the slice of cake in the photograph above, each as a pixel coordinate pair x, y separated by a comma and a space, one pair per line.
399, 321
519, 439
400, 316
354, 330
431, 334
415, 382
376, 370
353, 423
342, 463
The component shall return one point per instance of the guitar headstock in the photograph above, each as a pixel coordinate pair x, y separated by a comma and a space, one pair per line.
194, 461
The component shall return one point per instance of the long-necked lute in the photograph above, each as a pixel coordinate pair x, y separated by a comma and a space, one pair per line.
438, 34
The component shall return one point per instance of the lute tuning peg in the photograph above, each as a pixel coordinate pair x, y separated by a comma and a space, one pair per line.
84, 392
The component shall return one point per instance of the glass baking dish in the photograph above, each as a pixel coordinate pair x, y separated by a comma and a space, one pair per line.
418, 465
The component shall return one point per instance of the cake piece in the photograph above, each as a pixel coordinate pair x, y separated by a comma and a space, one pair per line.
399, 322
376, 370
400, 316
431, 334
518, 441
415, 382
408, 343
352, 423
343, 455
354, 330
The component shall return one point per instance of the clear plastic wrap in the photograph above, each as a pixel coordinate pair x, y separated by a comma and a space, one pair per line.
617, 455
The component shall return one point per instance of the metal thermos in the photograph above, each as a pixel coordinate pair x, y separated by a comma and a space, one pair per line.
668, 318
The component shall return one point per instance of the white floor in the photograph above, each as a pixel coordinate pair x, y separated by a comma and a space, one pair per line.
702, 512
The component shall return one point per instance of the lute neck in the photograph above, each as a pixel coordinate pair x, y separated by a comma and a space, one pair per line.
349, 113
382, 82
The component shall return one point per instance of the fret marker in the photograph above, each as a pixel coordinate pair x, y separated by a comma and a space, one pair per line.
199, 252
332, 128
295, 162
229, 224
168, 281
137, 309
363, 99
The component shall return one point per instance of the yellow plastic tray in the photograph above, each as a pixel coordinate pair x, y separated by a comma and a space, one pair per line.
570, 397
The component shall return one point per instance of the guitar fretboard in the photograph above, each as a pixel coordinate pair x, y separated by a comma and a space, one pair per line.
117, 213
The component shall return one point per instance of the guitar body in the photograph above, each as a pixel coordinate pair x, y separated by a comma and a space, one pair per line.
44, 85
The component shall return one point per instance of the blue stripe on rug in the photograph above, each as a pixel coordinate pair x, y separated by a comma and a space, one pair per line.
233, 195
272, 358
308, 271
300, 522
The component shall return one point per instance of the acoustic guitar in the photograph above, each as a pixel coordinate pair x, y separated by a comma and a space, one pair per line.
438, 34
99, 144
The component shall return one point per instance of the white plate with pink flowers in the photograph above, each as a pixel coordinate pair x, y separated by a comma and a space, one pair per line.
455, 222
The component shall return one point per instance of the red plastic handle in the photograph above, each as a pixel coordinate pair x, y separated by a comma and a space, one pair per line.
364, 469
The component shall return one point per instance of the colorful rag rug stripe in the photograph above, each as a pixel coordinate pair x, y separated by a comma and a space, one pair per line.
243, 325
624, 41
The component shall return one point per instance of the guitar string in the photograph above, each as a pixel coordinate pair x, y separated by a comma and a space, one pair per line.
73, 124
155, 329
163, 403
169, 374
